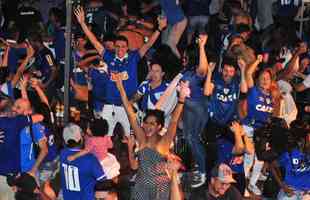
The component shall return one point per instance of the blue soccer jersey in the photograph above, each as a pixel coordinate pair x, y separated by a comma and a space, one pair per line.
297, 169
224, 100
44, 62
225, 155
128, 68
99, 79
78, 178
53, 150
10, 148
150, 96
27, 151
260, 107
195, 84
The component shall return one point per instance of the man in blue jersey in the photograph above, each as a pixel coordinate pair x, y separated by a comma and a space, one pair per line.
151, 90
10, 149
224, 89
296, 162
29, 137
78, 178
45, 65
121, 61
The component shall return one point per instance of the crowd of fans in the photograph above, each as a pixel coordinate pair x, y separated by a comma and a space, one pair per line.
169, 99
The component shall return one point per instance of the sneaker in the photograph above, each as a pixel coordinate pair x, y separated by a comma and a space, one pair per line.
255, 190
198, 180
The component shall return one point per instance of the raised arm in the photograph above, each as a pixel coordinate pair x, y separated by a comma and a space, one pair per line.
80, 16
23, 87
250, 71
21, 68
162, 23
130, 140
35, 84
203, 61
294, 62
85, 63
169, 136
209, 86
140, 135
5, 59
237, 129
243, 83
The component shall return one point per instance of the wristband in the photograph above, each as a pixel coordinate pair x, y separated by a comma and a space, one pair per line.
243, 95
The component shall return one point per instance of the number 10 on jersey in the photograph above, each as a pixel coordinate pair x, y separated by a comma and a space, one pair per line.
71, 177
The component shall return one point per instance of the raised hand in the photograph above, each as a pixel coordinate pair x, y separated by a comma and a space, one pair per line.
203, 38
241, 64
211, 66
80, 14
30, 51
34, 82
236, 128
259, 58
184, 90
24, 81
162, 22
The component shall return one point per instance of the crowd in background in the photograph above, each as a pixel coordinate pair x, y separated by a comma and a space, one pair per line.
169, 99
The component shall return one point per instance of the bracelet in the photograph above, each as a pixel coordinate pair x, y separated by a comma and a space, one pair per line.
181, 102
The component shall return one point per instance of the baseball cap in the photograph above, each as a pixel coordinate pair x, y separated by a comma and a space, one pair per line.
72, 132
223, 173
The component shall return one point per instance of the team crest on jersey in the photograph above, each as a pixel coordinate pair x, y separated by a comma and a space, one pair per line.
261, 99
268, 101
226, 90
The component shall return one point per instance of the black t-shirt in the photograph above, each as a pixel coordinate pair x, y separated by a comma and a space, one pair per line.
27, 17
100, 20
202, 194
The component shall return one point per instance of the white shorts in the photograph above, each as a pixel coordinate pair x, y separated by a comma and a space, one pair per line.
114, 114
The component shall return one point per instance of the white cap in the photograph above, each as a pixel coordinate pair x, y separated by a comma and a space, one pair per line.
72, 132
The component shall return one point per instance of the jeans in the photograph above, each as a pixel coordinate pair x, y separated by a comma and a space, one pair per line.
172, 35
194, 120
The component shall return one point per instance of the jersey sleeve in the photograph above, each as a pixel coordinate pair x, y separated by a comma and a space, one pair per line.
38, 132
142, 88
97, 170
